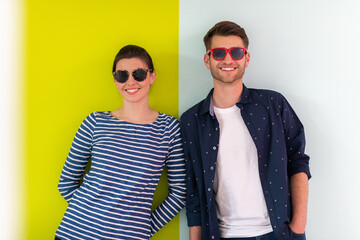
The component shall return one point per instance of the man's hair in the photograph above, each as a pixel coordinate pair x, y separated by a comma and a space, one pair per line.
133, 51
225, 28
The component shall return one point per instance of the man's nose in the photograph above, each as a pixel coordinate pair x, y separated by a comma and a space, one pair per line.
228, 58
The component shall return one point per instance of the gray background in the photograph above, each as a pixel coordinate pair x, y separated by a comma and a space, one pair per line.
310, 52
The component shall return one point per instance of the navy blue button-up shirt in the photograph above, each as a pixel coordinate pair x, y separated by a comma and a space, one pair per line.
280, 142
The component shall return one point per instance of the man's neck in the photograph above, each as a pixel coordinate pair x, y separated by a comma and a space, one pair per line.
226, 95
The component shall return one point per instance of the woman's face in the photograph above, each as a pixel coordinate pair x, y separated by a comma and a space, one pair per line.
132, 90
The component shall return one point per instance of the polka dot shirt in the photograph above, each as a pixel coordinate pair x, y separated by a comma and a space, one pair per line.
280, 142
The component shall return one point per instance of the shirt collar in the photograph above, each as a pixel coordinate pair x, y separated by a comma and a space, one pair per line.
208, 106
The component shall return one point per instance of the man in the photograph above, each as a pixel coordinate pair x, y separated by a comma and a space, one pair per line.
247, 173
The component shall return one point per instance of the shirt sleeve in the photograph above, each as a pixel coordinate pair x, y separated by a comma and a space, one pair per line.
193, 212
298, 161
175, 200
77, 158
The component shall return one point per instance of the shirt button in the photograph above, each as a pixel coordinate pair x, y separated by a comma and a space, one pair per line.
214, 148
212, 237
209, 189
211, 168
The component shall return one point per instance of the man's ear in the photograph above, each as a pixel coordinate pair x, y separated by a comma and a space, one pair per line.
247, 59
207, 60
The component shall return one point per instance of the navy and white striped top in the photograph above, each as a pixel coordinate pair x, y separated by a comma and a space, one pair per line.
114, 201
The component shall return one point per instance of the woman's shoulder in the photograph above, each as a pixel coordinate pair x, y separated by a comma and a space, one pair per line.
169, 123
100, 115
105, 114
163, 117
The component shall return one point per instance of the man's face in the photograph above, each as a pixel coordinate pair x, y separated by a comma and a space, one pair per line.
228, 70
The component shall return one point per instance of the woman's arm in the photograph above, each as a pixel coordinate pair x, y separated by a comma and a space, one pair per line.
175, 200
77, 159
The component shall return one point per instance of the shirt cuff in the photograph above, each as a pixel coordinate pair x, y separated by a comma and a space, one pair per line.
194, 219
304, 170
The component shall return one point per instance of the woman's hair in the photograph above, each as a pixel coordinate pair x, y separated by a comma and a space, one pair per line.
133, 51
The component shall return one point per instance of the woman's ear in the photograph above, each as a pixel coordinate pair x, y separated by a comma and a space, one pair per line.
152, 77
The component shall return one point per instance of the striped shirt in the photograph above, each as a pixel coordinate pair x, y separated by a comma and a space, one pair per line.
114, 201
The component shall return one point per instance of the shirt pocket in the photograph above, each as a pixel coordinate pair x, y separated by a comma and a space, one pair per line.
296, 236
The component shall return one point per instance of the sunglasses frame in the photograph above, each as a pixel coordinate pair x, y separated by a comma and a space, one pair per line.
227, 50
132, 74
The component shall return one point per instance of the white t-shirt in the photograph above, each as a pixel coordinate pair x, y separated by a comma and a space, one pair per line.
241, 207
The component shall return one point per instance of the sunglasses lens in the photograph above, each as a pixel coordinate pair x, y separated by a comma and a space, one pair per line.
237, 53
218, 54
121, 76
139, 75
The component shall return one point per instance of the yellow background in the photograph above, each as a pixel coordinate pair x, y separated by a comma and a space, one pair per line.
70, 47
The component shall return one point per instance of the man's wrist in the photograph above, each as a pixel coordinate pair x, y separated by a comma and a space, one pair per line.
195, 233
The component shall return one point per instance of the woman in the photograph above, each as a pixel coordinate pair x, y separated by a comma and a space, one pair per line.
129, 148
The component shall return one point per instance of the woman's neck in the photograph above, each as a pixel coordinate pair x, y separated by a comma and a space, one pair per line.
136, 113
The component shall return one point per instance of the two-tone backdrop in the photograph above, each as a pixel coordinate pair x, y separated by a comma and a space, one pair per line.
56, 59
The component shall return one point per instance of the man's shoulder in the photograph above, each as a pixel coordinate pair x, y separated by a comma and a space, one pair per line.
193, 111
265, 95
264, 92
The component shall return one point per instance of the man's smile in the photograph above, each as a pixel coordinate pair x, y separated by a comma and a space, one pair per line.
228, 68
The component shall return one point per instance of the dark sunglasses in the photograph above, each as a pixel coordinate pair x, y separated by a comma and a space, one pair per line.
236, 53
139, 75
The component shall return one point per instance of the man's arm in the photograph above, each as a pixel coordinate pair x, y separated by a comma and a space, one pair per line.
195, 233
298, 166
193, 211
299, 199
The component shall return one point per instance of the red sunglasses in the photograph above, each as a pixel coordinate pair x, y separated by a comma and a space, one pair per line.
236, 53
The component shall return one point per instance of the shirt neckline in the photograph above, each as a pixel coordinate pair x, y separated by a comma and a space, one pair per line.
231, 109
208, 107
138, 124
